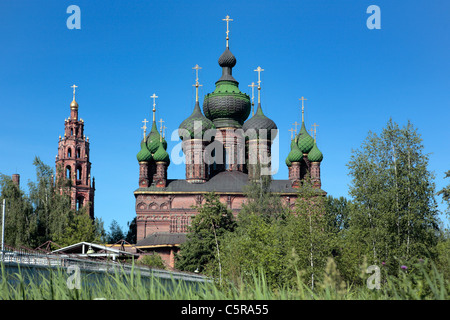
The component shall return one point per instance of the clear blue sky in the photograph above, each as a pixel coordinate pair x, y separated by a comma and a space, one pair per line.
354, 78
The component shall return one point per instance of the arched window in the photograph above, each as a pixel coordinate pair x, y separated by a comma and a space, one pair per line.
68, 172
79, 173
71, 132
69, 153
78, 153
80, 202
227, 158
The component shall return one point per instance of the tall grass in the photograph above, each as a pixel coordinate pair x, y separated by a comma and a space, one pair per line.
120, 285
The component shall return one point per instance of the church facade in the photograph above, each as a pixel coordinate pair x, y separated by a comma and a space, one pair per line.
226, 147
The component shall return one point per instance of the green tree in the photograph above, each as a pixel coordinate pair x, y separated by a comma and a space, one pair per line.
445, 192
205, 233
82, 228
310, 237
258, 242
52, 208
115, 233
393, 191
20, 222
132, 231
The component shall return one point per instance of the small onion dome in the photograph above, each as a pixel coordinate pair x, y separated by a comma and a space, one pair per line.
227, 59
304, 140
192, 124
74, 105
315, 155
161, 154
288, 163
144, 154
296, 154
258, 123
153, 139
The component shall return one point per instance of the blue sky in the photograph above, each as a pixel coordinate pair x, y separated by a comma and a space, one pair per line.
354, 78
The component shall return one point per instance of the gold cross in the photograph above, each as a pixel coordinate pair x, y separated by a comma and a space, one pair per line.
196, 85
74, 86
259, 70
196, 71
315, 128
227, 19
145, 128
292, 133
296, 124
154, 96
160, 124
164, 131
303, 108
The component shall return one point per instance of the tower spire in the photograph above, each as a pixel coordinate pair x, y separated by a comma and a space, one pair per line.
154, 96
196, 85
228, 20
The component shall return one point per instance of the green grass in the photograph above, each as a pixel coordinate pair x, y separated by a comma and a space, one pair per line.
53, 286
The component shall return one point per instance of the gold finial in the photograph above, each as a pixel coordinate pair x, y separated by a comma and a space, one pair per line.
315, 130
296, 124
292, 133
227, 19
154, 96
164, 131
253, 85
145, 129
303, 108
74, 87
196, 85
259, 70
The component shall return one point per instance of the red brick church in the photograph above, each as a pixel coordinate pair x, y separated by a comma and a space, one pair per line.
72, 161
225, 148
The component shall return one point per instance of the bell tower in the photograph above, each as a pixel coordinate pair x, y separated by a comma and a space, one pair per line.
73, 168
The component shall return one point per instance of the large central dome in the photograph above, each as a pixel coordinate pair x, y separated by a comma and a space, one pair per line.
227, 106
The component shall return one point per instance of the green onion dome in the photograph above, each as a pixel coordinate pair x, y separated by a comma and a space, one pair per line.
259, 122
315, 155
227, 106
304, 140
296, 154
193, 119
288, 163
144, 154
153, 139
161, 154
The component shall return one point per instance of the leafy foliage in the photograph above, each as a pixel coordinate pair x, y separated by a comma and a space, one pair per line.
205, 233
45, 214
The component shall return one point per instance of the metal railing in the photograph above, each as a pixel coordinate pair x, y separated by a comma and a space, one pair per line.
27, 257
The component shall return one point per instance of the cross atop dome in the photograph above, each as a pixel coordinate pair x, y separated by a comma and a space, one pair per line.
228, 20
154, 96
